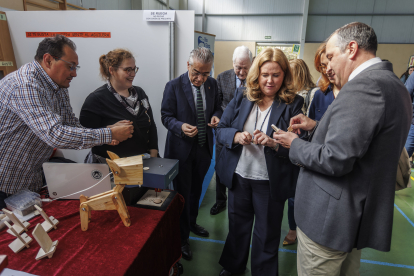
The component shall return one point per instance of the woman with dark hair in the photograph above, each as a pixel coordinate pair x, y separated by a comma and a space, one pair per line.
119, 100
328, 90
258, 173
406, 74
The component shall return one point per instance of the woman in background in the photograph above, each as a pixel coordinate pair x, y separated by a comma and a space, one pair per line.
328, 90
118, 100
303, 82
406, 74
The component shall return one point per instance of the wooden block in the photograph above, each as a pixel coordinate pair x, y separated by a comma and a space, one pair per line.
50, 222
3, 262
130, 170
18, 225
47, 247
21, 242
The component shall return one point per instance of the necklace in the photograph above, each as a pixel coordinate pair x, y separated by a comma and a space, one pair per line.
264, 120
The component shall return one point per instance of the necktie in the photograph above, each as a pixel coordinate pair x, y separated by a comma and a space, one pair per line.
242, 83
201, 122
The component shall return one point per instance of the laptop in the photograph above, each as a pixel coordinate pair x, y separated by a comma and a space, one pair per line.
68, 178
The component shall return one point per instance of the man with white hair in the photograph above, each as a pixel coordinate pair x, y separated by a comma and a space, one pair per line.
228, 82
190, 109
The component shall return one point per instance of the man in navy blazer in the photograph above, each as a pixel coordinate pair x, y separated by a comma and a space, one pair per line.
190, 108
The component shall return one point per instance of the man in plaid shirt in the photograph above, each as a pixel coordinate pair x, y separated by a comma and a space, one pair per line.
36, 116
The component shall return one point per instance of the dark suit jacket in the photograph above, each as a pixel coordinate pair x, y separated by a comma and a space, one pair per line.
226, 82
282, 173
178, 107
345, 192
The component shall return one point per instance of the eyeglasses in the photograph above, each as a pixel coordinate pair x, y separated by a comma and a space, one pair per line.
129, 70
195, 73
322, 68
73, 67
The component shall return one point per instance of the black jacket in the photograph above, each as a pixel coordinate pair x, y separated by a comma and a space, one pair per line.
101, 109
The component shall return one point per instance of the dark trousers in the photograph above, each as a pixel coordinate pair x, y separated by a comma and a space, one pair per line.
3, 196
250, 201
189, 182
291, 213
221, 196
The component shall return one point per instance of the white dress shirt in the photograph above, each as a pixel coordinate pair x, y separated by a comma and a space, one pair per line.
203, 95
364, 66
252, 162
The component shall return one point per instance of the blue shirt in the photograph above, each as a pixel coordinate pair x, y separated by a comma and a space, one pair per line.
238, 82
409, 84
320, 103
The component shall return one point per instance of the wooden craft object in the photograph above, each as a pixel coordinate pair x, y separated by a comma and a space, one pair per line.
49, 223
3, 262
47, 247
18, 225
126, 171
21, 242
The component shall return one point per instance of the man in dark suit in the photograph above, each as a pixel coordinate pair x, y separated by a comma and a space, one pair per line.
190, 109
227, 83
345, 190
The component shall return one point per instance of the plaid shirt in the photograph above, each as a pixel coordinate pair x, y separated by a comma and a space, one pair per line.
35, 117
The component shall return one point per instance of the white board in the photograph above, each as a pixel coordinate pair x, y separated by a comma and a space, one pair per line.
148, 41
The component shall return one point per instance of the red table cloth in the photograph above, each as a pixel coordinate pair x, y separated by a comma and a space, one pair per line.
150, 246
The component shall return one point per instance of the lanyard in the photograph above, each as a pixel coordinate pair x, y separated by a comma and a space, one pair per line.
257, 111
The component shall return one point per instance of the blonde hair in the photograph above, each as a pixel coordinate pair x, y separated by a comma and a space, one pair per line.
113, 58
286, 92
302, 77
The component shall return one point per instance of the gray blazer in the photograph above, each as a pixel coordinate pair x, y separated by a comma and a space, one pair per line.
226, 82
345, 190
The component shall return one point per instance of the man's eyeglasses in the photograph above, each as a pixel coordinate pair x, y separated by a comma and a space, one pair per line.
73, 67
195, 73
129, 70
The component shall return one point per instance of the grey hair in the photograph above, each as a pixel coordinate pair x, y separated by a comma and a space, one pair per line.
363, 34
242, 52
202, 55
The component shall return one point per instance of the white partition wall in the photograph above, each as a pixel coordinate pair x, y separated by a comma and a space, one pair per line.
148, 41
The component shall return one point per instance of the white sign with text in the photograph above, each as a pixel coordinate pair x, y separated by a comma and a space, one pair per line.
159, 15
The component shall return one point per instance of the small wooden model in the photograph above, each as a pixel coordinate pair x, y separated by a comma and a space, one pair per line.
47, 247
126, 171
49, 223
18, 225
21, 242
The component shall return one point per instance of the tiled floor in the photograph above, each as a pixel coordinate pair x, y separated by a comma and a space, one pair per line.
398, 262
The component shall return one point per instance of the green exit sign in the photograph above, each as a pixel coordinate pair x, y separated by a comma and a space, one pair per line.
268, 37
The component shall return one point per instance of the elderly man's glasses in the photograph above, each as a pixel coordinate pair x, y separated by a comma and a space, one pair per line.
73, 67
129, 70
322, 68
195, 73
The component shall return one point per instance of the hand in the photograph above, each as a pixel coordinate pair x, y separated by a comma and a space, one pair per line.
114, 143
214, 122
121, 123
189, 130
121, 133
302, 122
285, 138
153, 152
261, 138
242, 138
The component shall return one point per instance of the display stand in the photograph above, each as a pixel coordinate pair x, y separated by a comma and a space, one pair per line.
49, 223
18, 226
47, 247
127, 171
21, 242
